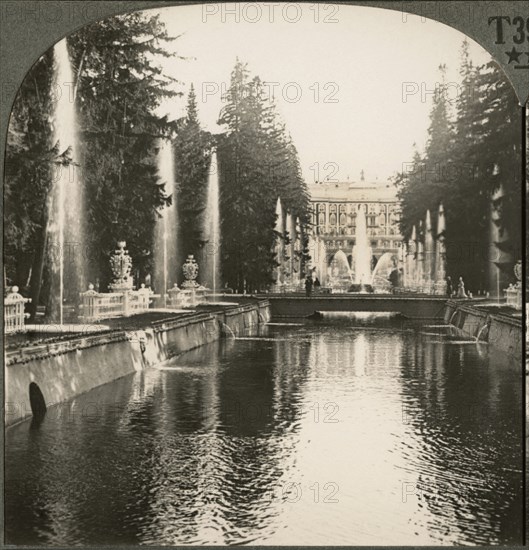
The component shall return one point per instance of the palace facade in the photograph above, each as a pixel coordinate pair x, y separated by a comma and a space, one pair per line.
334, 211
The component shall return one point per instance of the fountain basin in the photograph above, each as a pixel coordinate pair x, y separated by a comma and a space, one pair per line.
360, 288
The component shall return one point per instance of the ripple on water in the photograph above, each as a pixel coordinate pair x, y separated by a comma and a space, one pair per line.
236, 443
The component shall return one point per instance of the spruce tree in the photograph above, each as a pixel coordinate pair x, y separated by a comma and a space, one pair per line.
258, 164
119, 87
193, 148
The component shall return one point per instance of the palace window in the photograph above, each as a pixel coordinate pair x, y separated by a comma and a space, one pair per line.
332, 219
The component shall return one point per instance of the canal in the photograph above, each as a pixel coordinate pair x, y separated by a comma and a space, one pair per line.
337, 431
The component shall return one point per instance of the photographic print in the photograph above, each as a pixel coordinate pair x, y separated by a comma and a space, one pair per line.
263, 270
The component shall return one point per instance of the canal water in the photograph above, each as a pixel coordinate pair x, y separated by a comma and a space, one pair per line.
335, 431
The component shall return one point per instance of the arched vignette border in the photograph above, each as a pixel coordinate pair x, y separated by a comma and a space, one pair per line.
28, 28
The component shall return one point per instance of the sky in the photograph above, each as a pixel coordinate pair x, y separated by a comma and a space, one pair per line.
353, 84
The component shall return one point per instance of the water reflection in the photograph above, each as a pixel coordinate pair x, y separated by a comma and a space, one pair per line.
356, 431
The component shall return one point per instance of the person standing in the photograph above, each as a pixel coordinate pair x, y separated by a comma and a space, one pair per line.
461, 289
394, 280
449, 287
308, 285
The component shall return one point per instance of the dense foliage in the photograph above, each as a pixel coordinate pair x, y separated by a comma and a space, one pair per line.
193, 147
258, 163
117, 89
28, 173
471, 158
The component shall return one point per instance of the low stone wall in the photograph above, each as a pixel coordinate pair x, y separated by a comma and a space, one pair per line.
63, 370
60, 371
501, 331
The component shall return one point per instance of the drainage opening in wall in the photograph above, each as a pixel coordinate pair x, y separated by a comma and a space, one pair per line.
36, 400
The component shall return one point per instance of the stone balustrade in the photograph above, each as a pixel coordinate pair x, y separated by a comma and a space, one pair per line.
185, 298
513, 296
106, 305
14, 316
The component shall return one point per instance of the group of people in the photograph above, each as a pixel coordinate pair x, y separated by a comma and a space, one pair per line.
460, 293
311, 282
395, 278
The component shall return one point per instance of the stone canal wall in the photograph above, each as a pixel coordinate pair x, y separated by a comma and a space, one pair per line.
164, 340
58, 371
501, 331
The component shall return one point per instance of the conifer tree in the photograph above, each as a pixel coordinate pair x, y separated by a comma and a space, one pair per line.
193, 148
118, 89
464, 167
258, 163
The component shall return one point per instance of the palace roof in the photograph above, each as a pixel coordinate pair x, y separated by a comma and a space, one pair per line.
350, 191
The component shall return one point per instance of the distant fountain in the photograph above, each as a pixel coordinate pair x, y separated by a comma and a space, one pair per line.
341, 274
428, 254
420, 266
322, 262
297, 250
67, 258
440, 253
318, 258
289, 251
211, 267
411, 264
279, 246
166, 239
380, 278
361, 251
340, 265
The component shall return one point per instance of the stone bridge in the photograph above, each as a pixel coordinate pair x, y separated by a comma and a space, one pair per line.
414, 307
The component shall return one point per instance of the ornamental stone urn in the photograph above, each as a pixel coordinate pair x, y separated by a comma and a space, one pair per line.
190, 269
121, 265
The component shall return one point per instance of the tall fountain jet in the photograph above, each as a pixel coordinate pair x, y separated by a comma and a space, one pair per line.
166, 239
411, 263
290, 248
322, 262
279, 246
66, 237
428, 251
211, 269
440, 252
419, 264
361, 250
297, 248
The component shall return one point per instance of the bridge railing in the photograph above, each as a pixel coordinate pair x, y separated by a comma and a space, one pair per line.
436, 289
14, 316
